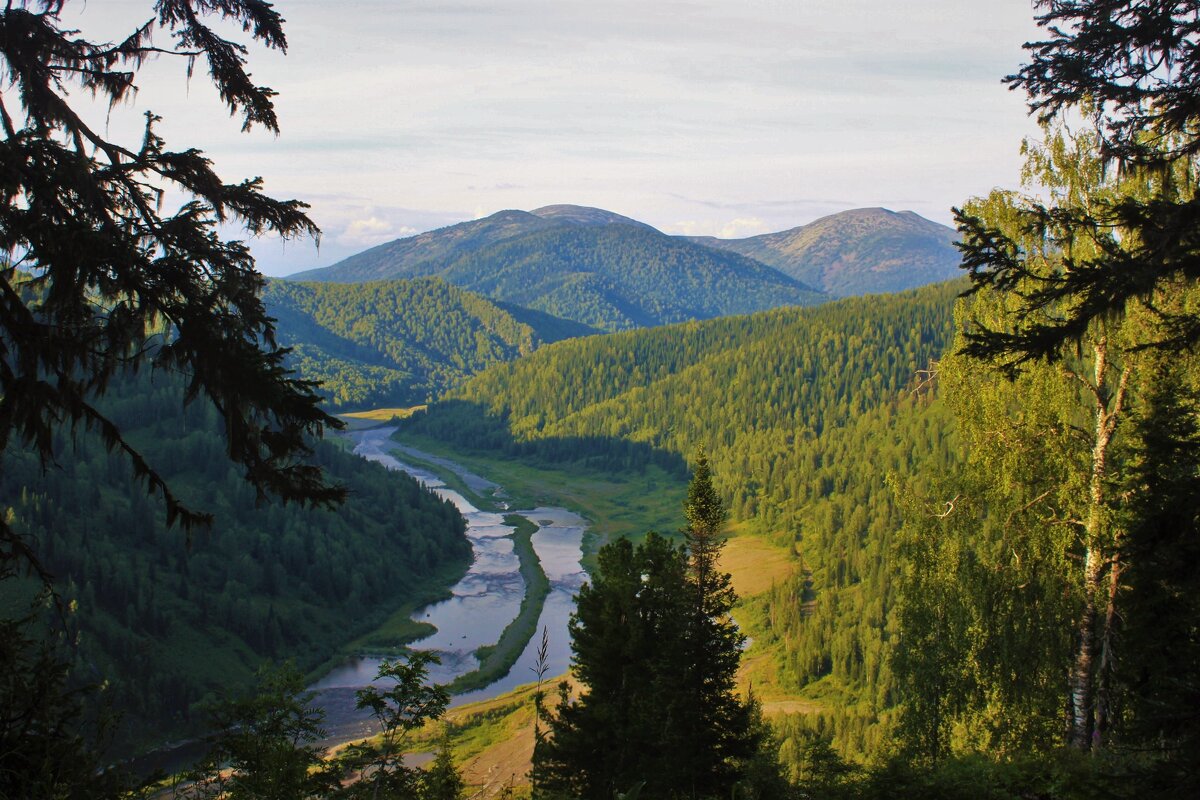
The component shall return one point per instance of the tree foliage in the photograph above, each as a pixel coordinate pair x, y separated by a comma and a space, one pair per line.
93, 265
1130, 70
396, 343
807, 412
264, 746
657, 656
168, 622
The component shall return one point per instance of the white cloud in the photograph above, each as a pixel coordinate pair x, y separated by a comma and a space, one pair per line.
733, 229
742, 227
372, 231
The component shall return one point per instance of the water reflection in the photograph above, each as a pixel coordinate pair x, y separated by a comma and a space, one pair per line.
486, 599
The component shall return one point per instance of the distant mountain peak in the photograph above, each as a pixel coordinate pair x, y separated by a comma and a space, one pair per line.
858, 251
585, 215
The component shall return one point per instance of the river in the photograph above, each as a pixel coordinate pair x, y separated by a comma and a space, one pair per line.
481, 604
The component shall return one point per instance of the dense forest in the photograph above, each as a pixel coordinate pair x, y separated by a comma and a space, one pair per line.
400, 343
807, 414
990, 488
169, 619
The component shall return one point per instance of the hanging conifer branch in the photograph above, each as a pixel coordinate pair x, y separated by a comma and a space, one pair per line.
93, 268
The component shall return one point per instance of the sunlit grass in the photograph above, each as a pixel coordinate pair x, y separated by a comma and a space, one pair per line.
613, 504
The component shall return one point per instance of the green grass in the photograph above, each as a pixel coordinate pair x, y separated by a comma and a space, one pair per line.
373, 417
496, 660
613, 504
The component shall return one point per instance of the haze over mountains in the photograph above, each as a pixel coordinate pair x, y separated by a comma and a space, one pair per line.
615, 273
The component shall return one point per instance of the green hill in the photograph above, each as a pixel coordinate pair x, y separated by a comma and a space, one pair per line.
586, 265
167, 620
864, 251
805, 412
400, 343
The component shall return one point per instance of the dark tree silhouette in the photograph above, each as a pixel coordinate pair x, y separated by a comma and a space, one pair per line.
98, 278
1132, 69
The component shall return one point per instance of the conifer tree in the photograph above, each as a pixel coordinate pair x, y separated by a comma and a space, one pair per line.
657, 655
714, 736
1131, 68
93, 265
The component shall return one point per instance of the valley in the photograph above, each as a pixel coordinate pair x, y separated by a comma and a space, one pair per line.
494, 607
767, 487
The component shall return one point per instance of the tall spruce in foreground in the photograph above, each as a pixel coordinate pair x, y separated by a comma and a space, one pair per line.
713, 737
657, 656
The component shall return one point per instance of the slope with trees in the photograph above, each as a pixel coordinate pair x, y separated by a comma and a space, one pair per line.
399, 343
586, 265
114, 262
170, 618
95, 262
806, 412
1074, 380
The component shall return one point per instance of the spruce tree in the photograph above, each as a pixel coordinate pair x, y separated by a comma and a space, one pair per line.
99, 275
657, 655
1131, 69
714, 735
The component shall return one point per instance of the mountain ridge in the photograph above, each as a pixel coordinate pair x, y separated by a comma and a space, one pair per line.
584, 264
861, 251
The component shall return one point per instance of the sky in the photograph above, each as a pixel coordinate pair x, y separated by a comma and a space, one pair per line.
719, 117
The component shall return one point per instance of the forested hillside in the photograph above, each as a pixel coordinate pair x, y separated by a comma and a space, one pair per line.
400, 343
587, 265
806, 414
169, 619
617, 277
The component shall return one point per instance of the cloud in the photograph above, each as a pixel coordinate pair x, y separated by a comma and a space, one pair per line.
372, 231
740, 227
733, 229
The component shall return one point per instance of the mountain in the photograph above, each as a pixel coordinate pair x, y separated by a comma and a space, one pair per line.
427, 253
584, 215
583, 264
864, 251
403, 342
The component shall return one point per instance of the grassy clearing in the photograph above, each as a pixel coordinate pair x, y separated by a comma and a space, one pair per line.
755, 563
496, 660
613, 504
377, 415
492, 742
